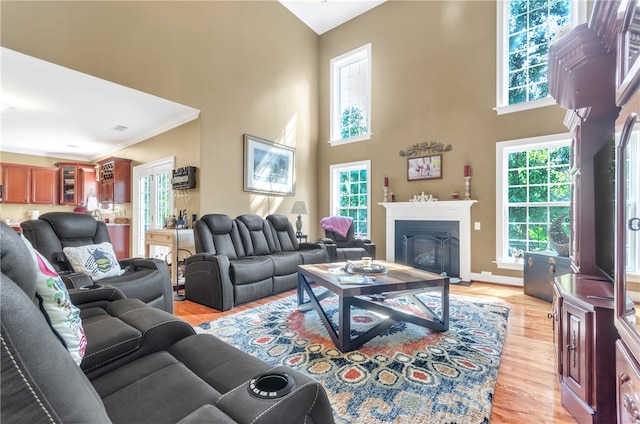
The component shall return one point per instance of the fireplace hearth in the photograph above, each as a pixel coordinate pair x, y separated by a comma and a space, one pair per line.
433, 246
454, 242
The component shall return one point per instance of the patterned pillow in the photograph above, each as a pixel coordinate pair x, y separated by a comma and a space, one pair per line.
55, 303
97, 260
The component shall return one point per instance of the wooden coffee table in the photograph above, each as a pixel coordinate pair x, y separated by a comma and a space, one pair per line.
400, 280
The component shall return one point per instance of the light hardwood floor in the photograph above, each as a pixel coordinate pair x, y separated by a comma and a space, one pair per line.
527, 390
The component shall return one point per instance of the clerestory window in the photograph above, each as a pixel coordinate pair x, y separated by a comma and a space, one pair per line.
525, 30
351, 96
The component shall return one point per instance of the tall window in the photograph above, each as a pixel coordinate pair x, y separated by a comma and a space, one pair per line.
532, 197
350, 194
351, 96
526, 28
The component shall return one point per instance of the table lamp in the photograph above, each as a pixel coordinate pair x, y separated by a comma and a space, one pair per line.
300, 208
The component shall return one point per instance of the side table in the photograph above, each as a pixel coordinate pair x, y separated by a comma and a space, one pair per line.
302, 236
176, 240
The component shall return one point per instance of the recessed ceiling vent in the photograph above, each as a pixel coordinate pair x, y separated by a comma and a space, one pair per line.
120, 128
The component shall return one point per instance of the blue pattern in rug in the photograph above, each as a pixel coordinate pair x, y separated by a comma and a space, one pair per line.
408, 374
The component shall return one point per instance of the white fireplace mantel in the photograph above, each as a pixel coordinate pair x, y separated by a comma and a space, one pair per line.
449, 210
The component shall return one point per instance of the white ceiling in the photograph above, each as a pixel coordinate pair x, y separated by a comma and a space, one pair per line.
324, 15
49, 110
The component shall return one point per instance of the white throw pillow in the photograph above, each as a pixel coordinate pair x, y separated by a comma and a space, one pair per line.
62, 315
97, 260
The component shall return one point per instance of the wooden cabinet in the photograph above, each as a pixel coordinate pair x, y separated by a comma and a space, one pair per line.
77, 182
582, 66
584, 338
115, 180
120, 235
627, 278
29, 184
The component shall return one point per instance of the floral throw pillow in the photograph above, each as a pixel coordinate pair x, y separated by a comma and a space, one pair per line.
96, 260
62, 315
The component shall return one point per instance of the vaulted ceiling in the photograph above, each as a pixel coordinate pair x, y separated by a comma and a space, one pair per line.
49, 110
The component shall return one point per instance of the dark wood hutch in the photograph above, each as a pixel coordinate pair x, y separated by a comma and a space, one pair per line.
594, 74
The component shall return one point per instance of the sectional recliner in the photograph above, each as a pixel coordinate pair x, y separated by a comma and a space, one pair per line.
141, 364
147, 279
246, 258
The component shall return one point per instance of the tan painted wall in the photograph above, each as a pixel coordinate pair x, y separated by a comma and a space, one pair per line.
433, 79
250, 67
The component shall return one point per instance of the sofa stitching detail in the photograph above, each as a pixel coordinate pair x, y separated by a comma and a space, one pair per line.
17, 367
112, 346
138, 307
315, 399
175, 321
101, 364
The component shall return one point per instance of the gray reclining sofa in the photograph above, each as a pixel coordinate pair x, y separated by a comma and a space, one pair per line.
141, 364
243, 259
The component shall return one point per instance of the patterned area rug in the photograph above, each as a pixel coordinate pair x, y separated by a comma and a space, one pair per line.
408, 374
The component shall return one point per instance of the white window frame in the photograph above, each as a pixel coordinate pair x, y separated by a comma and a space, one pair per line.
139, 172
503, 149
502, 58
334, 183
335, 112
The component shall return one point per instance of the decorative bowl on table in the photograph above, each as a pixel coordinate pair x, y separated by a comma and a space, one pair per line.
364, 267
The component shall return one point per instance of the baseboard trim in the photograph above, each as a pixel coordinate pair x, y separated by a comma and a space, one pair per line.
497, 279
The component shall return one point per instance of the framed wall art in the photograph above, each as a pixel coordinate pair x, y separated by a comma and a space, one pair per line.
424, 168
268, 166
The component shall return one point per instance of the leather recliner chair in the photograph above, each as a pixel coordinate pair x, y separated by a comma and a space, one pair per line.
145, 279
348, 247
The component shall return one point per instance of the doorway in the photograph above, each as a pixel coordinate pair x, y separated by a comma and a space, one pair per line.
152, 202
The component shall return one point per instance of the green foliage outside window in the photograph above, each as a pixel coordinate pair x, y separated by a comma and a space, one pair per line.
532, 26
538, 192
352, 122
353, 199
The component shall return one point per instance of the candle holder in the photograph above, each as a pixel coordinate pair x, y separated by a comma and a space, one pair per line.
385, 190
467, 183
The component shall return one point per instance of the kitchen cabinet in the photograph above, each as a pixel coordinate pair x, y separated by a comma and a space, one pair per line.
29, 184
115, 180
77, 183
120, 235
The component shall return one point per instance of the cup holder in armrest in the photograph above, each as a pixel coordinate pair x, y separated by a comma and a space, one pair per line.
271, 385
92, 287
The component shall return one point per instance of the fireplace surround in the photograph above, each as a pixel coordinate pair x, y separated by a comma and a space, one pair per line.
455, 211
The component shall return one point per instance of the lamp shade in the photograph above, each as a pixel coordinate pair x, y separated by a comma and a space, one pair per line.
299, 207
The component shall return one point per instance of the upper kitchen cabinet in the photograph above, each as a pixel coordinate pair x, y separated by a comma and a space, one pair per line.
115, 180
25, 184
77, 183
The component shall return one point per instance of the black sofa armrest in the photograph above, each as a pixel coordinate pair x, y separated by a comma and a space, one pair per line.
307, 400
332, 248
96, 296
151, 263
75, 279
207, 281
